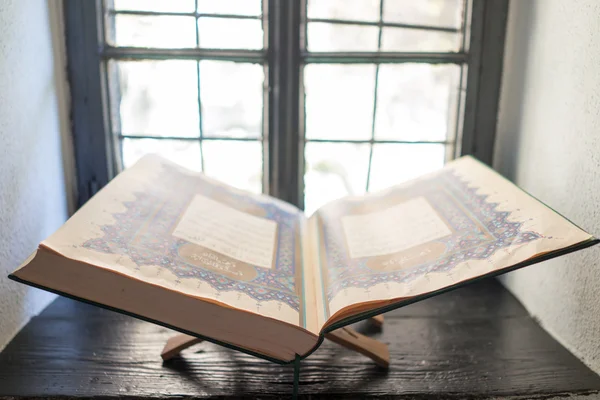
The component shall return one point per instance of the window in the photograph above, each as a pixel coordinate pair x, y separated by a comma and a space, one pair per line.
305, 100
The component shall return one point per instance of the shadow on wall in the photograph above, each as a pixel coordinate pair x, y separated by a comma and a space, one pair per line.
32, 178
512, 98
548, 143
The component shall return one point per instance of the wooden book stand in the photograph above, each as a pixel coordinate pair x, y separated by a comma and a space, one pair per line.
345, 337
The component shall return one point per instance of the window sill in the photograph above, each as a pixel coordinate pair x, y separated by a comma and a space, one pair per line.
477, 342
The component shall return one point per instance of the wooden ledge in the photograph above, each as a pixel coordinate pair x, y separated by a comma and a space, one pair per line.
476, 342
345, 336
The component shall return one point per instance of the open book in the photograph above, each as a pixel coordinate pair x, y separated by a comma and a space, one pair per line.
253, 273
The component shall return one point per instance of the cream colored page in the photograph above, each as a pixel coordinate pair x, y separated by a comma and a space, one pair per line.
390, 262
394, 229
224, 229
209, 228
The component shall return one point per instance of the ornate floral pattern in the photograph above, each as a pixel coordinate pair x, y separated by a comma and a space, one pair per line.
479, 230
142, 233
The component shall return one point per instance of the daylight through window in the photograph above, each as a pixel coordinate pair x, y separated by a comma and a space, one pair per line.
379, 87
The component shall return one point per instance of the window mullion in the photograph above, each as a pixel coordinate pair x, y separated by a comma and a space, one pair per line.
375, 88
486, 51
285, 153
94, 155
200, 129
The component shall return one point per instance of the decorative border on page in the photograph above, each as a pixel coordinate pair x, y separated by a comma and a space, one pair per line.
143, 233
478, 228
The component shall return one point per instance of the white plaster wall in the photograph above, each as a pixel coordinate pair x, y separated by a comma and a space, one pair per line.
33, 158
549, 143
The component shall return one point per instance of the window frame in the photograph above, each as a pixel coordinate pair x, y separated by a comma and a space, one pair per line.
87, 55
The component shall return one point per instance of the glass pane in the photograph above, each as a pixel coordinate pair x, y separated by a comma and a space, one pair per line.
442, 13
158, 98
359, 10
232, 98
229, 33
334, 170
396, 163
184, 152
399, 39
155, 5
337, 37
161, 32
231, 7
239, 164
415, 102
339, 101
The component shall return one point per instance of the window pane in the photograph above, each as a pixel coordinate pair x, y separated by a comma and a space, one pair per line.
161, 32
339, 101
155, 5
359, 10
334, 170
415, 102
232, 98
156, 97
400, 39
184, 152
229, 33
239, 164
442, 13
337, 37
231, 7
396, 163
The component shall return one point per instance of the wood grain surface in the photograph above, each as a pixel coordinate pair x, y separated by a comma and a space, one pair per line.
475, 342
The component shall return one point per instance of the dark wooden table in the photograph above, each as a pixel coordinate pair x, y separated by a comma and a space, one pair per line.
476, 342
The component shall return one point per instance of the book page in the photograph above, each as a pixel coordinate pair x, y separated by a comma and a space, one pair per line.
165, 225
227, 231
394, 229
456, 224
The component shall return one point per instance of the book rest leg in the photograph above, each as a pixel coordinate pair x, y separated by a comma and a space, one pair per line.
377, 320
346, 337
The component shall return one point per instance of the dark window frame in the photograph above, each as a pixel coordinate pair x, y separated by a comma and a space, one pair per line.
95, 144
